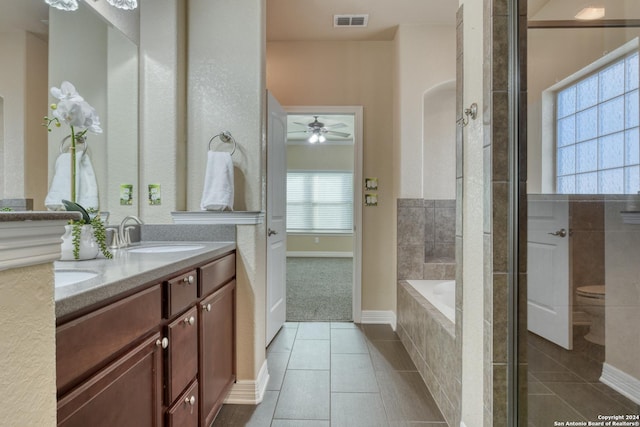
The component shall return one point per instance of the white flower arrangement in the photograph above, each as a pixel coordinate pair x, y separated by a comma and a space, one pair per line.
72, 110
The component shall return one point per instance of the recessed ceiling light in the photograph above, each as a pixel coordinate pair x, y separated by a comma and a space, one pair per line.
590, 13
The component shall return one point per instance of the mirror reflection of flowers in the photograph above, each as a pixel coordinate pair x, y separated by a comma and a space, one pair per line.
72, 110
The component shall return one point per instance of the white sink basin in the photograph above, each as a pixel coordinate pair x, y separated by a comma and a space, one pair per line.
69, 277
165, 249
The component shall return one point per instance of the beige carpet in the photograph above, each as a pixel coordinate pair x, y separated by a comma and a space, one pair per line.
319, 289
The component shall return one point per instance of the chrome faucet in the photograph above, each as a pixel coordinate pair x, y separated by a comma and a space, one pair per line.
125, 238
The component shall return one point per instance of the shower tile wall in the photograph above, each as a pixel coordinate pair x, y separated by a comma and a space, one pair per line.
426, 239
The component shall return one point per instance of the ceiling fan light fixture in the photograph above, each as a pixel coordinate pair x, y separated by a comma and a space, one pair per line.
124, 4
314, 138
590, 14
321, 139
66, 5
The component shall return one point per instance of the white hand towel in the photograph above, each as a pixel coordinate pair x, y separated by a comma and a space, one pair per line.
218, 182
86, 185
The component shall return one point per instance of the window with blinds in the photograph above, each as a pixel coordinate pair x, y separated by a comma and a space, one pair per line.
320, 201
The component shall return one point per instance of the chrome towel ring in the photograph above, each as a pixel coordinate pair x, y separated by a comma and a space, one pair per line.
225, 137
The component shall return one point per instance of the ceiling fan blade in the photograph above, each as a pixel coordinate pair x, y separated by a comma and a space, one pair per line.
344, 134
297, 131
336, 126
301, 124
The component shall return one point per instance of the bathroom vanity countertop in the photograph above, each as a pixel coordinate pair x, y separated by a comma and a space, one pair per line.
127, 271
38, 216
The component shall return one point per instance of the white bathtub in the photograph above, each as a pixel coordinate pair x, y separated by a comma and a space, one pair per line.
440, 293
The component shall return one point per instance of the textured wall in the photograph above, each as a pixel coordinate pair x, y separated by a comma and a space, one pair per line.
226, 91
162, 103
425, 58
28, 347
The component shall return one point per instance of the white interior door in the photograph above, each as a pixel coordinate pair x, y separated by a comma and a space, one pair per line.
276, 217
548, 291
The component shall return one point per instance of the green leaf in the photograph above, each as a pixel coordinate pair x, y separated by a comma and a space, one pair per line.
74, 207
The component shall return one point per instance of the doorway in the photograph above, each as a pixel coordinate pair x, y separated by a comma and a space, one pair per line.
324, 213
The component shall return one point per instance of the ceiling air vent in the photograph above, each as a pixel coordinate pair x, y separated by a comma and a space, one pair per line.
350, 20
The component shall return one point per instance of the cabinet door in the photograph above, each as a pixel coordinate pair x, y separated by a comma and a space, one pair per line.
182, 354
127, 393
217, 350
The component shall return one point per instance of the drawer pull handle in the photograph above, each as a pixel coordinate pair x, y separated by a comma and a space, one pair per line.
164, 342
206, 307
190, 400
189, 320
189, 280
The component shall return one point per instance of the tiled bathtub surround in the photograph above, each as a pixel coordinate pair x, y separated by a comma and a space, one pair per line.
429, 338
426, 239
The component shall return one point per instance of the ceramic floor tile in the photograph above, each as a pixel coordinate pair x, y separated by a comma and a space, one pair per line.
357, 410
380, 332
310, 354
277, 365
353, 373
343, 325
417, 424
283, 341
305, 395
300, 423
248, 415
406, 397
348, 341
390, 355
544, 410
587, 400
314, 331
290, 325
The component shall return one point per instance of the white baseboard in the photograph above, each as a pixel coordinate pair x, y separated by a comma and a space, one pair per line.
379, 317
319, 254
249, 392
621, 382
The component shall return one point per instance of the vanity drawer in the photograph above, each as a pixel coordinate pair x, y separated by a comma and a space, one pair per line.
182, 354
185, 411
181, 292
89, 341
216, 274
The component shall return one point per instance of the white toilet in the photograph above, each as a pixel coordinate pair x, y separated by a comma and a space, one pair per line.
591, 300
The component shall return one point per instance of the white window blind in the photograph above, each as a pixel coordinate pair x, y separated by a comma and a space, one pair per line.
320, 201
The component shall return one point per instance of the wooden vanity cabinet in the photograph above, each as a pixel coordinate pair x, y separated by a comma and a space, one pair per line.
217, 370
127, 393
163, 356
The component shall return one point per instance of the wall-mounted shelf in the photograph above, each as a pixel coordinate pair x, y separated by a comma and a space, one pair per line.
630, 217
218, 217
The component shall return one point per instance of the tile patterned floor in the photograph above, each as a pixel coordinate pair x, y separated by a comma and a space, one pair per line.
338, 374
564, 385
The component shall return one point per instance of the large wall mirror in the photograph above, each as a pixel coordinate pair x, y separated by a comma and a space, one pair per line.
88, 48
96, 49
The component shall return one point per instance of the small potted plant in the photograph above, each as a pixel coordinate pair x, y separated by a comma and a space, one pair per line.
85, 237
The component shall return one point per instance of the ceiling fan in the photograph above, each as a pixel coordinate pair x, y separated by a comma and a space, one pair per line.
318, 130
